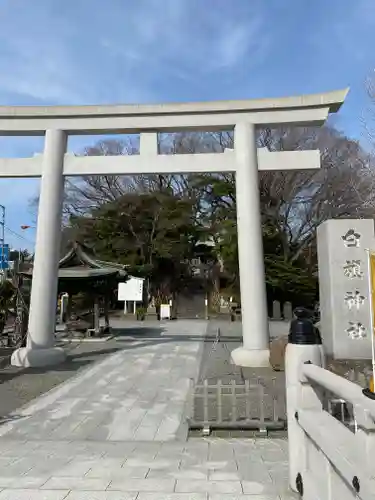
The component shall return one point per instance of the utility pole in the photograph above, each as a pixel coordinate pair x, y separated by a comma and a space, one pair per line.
2, 241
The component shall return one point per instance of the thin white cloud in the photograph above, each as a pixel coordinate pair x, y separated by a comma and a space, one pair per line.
184, 39
44, 56
37, 64
238, 42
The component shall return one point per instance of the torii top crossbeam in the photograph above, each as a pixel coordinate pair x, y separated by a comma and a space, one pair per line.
223, 115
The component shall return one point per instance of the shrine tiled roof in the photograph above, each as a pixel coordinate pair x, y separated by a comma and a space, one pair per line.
80, 263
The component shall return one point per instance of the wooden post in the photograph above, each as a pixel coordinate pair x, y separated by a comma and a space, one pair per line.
96, 315
106, 313
69, 307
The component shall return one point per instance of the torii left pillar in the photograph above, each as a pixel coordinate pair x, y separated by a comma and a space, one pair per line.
40, 349
255, 333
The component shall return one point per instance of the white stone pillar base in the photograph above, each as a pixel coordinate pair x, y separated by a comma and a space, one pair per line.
26, 357
251, 358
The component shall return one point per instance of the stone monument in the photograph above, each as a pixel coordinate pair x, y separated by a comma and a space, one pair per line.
343, 287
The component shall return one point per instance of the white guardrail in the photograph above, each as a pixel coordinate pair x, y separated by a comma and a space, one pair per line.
327, 460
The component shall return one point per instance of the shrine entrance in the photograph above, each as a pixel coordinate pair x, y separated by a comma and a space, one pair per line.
56, 123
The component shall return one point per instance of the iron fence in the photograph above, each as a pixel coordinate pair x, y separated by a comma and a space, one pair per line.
233, 405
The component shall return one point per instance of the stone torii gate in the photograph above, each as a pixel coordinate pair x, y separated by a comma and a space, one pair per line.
56, 123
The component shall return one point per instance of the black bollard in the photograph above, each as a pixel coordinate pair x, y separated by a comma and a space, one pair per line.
302, 329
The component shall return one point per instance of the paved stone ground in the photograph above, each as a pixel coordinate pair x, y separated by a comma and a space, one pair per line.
201, 469
137, 393
19, 386
116, 431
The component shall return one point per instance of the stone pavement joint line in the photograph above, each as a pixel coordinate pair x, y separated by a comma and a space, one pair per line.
117, 431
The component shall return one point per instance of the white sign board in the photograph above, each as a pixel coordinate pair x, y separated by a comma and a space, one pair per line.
165, 311
131, 290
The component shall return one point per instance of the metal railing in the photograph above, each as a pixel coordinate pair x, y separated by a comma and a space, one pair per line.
232, 405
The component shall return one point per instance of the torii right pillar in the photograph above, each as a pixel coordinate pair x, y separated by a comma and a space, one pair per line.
310, 111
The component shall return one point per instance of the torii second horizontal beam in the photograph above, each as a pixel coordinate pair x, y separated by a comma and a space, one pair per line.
160, 164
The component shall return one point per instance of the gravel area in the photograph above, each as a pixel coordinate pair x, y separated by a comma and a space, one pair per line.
267, 387
357, 371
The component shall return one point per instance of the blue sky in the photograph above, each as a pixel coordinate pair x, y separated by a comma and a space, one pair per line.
129, 51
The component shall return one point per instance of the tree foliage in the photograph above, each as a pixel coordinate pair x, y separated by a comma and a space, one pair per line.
153, 222
153, 233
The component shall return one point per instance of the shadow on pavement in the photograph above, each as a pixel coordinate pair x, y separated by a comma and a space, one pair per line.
75, 361
10, 418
